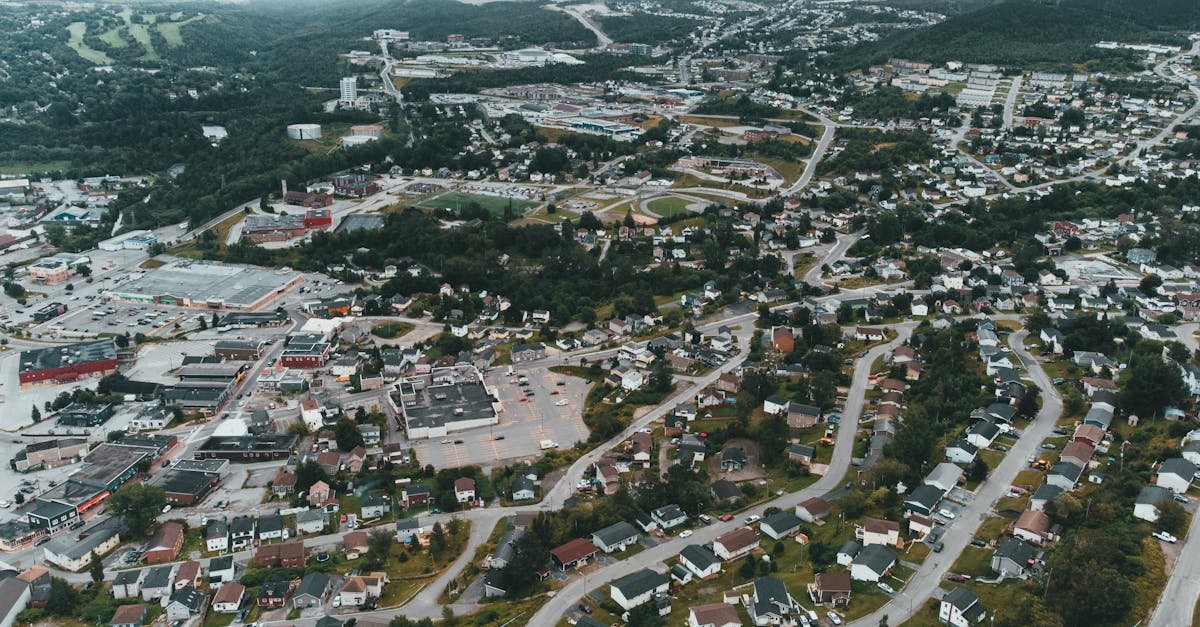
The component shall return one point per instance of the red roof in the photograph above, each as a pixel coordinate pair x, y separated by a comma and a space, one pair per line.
464, 484
573, 551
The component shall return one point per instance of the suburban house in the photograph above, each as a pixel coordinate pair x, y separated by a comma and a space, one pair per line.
157, 582
714, 615
735, 544
186, 603
127, 584
872, 563
1013, 558
220, 570
273, 593
464, 490
1146, 507
374, 504
129, 616
831, 587
771, 603
780, 525
669, 516
961, 608
311, 521
216, 536
229, 597
573, 554
165, 544
813, 510
883, 532
701, 561
637, 588
311, 591
1032, 527
1176, 475
408, 530
241, 532
616, 537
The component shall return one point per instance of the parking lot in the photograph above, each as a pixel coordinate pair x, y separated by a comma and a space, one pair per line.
549, 412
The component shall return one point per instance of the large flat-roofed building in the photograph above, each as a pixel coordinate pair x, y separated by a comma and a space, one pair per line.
445, 400
247, 448
60, 364
240, 350
49, 271
50, 454
85, 414
188, 487
248, 319
219, 372
189, 283
109, 465
202, 396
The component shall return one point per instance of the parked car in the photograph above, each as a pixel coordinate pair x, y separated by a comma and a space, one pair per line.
1165, 537
753, 518
834, 618
1049, 447
686, 533
945, 513
886, 588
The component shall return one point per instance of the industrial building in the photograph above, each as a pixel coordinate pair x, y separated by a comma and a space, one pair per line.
189, 283
445, 400
304, 131
62, 364
248, 448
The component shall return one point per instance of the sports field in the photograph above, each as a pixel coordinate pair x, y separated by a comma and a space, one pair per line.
494, 204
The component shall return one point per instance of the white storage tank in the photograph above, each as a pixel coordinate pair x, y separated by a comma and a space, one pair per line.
304, 131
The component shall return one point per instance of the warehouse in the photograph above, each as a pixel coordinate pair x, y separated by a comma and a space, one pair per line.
248, 448
188, 283
62, 364
84, 414
240, 350
448, 399
188, 487
203, 396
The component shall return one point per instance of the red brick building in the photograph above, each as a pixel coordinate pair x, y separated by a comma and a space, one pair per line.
58, 364
318, 219
165, 544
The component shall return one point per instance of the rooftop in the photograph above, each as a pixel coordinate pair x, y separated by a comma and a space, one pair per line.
56, 356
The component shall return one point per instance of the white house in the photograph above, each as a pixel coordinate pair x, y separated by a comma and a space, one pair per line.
882, 532
701, 561
735, 544
310, 521
961, 608
635, 589
1176, 475
216, 536
669, 516
1148, 501
615, 537
872, 563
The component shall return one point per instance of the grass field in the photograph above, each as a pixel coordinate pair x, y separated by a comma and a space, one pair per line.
669, 206
494, 204
141, 33
77, 30
114, 38
170, 30
18, 169
392, 330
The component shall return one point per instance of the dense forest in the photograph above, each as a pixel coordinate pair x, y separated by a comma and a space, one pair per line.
645, 28
1036, 33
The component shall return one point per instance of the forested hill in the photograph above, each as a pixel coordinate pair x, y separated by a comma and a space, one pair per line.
1032, 33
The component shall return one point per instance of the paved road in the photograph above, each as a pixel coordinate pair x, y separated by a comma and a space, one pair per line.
569, 596
925, 582
844, 242
1010, 103
810, 168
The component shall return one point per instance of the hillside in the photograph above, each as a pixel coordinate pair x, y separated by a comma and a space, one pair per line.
1035, 33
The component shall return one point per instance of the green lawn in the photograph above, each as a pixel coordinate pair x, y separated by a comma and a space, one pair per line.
19, 169
170, 30
89, 54
974, 561
458, 200
669, 206
113, 38
392, 330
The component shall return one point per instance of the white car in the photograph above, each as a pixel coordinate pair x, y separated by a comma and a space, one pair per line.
886, 588
166, 508
753, 518
834, 618
1165, 537
945, 513
686, 533
5, 504
562, 402
337, 601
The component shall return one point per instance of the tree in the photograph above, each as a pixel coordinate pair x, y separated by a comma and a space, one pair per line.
1172, 517
138, 504
1149, 384
437, 539
1150, 283
36, 414
96, 569
215, 319
63, 599
203, 323
308, 473
379, 546
748, 567
347, 434
978, 470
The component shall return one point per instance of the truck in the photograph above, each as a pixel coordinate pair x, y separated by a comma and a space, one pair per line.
547, 444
